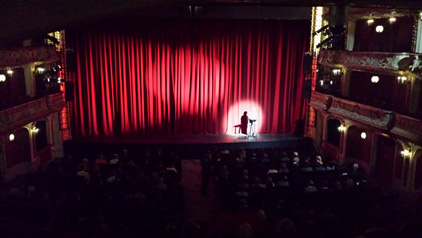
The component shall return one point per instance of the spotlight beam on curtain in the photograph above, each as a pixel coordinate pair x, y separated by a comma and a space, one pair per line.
182, 76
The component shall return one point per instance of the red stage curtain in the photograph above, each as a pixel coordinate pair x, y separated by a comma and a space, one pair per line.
183, 76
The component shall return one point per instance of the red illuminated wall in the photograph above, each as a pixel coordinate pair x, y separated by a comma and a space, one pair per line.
183, 76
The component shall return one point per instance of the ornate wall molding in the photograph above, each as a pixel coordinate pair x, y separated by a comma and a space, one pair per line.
370, 116
23, 114
320, 100
25, 55
408, 127
373, 61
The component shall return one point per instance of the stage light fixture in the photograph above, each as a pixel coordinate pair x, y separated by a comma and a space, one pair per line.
379, 29
370, 22
10, 72
375, 79
11, 137
363, 135
2, 77
392, 19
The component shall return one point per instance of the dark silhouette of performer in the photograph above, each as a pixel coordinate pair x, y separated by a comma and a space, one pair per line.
244, 123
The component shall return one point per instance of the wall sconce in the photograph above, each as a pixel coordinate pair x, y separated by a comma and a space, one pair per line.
40, 70
341, 128
35, 129
321, 83
392, 19
375, 79
370, 22
336, 72
401, 79
405, 153
379, 29
9, 72
11, 137
2, 77
363, 135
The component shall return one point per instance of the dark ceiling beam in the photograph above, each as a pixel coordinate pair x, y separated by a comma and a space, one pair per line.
22, 19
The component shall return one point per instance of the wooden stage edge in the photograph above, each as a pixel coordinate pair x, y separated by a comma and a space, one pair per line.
184, 144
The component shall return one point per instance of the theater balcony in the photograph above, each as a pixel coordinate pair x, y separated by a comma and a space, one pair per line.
25, 113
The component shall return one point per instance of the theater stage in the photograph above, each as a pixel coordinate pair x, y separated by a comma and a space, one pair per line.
185, 145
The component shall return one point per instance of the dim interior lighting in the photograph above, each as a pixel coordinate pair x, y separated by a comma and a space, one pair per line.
402, 79
341, 128
10, 71
12, 137
379, 29
336, 72
363, 135
375, 79
40, 70
331, 82
392, 19
59, 80
405, 153
321, 82
370, 21
2, 77
35, 129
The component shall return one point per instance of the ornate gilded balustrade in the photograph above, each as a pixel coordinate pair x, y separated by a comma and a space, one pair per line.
31, 111
408, 127
320, 100
25, 55
373, 61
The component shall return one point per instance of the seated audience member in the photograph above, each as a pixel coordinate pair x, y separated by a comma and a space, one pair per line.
284, 182
115, 159
310, 188
272, 170
318, 160
100, 160
283, 168
296, 159
285, 229
284, 157
246, 231
161, 186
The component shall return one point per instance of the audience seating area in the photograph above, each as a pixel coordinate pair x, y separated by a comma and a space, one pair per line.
262, 193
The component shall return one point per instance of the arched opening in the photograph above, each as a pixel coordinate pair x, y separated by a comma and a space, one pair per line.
18, 150
333, 133
355, 145
41, 140
385, 155
418, 172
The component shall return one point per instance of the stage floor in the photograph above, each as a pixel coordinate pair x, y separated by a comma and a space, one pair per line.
184, 144
185, 139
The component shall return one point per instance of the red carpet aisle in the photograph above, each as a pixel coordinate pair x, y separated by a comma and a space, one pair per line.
199, 209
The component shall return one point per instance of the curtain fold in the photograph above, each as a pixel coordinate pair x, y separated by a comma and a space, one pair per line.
187, 77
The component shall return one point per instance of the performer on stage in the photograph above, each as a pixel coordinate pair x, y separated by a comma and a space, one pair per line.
244, 123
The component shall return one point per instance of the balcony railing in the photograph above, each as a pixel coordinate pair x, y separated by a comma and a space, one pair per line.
31, 111
371, 116
408, 127
373, 61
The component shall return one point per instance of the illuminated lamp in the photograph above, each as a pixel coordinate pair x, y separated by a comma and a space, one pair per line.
2, 77
10, 72
341, 128
35, 129
405, 153
401, 79
321, 82
392, 19
40, 70
379, 29
336, 72
363, 135
12, 137
370, 22
375, 79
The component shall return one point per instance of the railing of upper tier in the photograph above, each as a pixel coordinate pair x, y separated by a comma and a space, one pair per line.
25, 113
